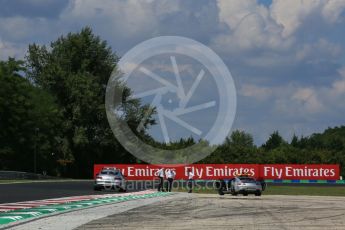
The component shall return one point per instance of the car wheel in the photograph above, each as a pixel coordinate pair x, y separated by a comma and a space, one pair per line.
258, 194
245, 194
220, 192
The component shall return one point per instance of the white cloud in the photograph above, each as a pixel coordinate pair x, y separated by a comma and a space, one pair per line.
125, 19
233, 12
254, 91
308, 100
332, 10
338, 87
286, 102
291, 14
15, 28
320, 50
251, 27
262, 36
293, 101
8, 49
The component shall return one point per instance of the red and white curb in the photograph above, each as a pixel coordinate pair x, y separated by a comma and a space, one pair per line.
37, 203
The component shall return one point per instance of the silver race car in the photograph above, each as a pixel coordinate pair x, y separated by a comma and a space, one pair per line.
110, 178
241, 185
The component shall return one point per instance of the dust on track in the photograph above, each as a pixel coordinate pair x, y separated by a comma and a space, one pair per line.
210, 211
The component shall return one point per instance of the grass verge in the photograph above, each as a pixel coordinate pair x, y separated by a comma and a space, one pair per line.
305, 190
288, 190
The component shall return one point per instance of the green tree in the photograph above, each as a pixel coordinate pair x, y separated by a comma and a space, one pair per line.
237, 148
75, 69
274, 141
294, 141
29, 116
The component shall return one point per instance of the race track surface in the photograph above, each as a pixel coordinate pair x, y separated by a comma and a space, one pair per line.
45, 190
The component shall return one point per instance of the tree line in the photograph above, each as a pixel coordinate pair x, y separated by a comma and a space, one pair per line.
322, 148
53, 119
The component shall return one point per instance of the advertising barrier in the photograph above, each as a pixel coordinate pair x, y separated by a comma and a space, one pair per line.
226, 171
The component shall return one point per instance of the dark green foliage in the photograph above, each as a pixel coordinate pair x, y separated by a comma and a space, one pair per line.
75, 69
238, 148
274, 141
324, 148
24, 109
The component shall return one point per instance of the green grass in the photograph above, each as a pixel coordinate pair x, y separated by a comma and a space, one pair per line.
288, 190
15, 181
306, 190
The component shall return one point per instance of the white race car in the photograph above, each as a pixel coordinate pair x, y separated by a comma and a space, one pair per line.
110, 178
241, 185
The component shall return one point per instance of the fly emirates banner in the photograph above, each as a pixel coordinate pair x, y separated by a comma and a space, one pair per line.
227, 171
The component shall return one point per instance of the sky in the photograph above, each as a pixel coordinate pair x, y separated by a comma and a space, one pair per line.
286, 57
